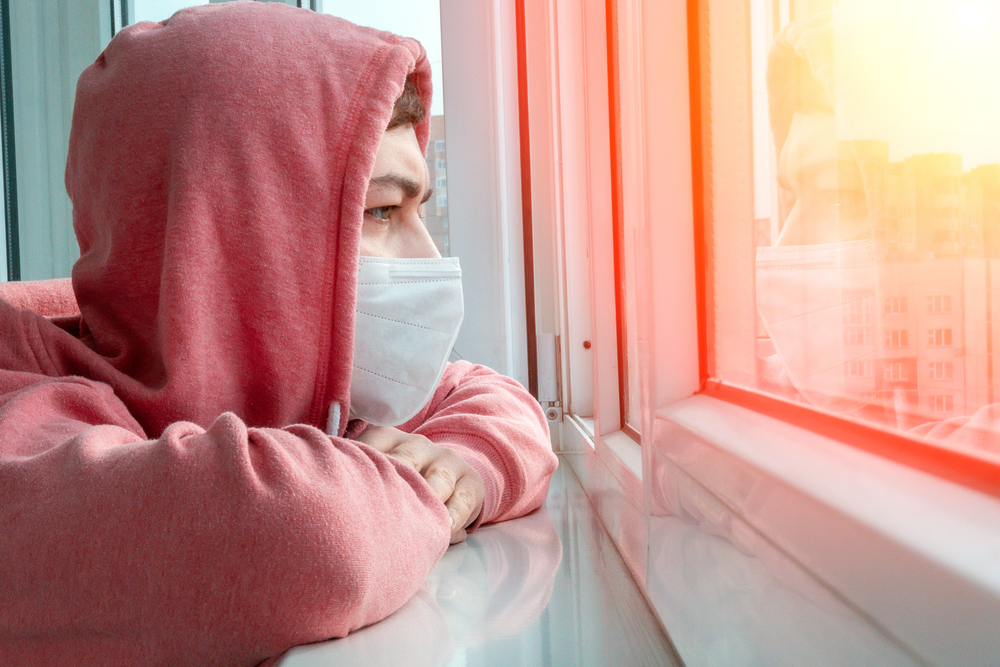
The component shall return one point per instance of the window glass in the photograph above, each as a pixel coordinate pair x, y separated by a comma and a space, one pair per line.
157, 10
874, 251
627, 286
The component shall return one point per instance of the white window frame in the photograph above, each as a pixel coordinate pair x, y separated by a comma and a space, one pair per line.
479, 59
842, 519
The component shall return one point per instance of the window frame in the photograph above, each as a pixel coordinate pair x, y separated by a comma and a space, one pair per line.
10, 260
947, 463
709, 437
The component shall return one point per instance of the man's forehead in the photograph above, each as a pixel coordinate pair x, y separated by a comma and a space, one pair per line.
399, 164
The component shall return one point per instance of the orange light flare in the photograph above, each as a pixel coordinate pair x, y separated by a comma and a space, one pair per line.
920, 74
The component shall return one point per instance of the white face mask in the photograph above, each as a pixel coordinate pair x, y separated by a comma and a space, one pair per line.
819, 306
408, 315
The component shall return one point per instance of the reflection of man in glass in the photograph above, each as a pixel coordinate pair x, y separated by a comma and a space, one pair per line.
853, 299
809, 178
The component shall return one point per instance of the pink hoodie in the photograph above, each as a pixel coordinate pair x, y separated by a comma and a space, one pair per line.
166, 493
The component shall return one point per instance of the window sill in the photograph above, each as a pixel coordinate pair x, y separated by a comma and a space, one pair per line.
914, 554
547, 589
610, 469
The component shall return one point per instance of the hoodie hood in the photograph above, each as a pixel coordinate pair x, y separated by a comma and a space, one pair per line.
218, 164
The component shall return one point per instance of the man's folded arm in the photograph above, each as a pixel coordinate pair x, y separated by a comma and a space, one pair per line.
499, 428
222, 545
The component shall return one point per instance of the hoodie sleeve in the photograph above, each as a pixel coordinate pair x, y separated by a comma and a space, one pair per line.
224, 545
496, 425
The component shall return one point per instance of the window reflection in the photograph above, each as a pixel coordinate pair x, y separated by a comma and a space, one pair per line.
887, 181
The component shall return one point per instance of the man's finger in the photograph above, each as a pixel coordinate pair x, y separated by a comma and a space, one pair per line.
381, 438
442, 480
464, 504
416, 454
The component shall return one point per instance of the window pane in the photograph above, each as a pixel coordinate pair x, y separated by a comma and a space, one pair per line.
874, 249
157, 10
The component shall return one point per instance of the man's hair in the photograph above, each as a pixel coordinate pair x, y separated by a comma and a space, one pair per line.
409, 109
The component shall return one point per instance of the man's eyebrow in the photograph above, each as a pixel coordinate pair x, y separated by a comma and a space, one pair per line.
409, 186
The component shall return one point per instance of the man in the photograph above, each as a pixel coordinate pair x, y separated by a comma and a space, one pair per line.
168, 494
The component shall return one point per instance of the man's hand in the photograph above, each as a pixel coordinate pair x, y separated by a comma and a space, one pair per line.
455, 482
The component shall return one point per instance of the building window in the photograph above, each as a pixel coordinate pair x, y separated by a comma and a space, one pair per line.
941, 370
861, 368
859, 311
941, 403
939, 304
895, 305
939, 337
857, 335
897, 338
894, 370
439, 146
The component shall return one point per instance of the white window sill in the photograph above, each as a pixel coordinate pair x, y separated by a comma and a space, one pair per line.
915, 554
545, 589
627, 452
610, 470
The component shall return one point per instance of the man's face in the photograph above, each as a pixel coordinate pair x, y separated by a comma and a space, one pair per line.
811, 178
396, 193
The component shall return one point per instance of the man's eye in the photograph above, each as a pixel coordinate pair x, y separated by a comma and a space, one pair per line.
381, 213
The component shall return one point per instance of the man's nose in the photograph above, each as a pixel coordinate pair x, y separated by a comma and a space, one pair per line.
420, 243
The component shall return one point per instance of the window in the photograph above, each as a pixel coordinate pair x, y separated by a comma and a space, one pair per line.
895, 371
859, 368
939, 337
941, 403
858, 311
866, 190
940, 370
134, 11
775, 298
439, 146
857, 335
939, 303
896, 338
895, 305
440, 182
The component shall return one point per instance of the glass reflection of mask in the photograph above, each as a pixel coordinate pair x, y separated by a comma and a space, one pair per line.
408, 315
818, 304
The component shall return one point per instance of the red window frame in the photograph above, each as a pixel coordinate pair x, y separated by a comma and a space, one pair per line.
965, 468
